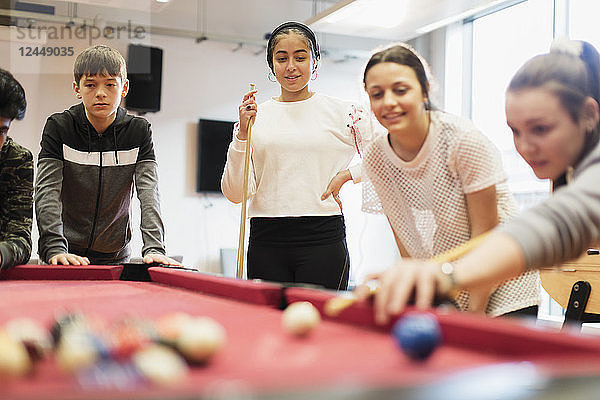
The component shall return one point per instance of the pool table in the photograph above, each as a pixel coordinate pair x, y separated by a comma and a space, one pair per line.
345, 357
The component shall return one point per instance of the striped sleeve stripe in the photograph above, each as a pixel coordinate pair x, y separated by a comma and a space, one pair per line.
125, 157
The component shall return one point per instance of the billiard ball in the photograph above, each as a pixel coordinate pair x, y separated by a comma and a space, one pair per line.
128, 335
111, 374
200, 338
418, 334
300, 318
14, 360
32, 334
168, 327
160, 364
64, 322
77, 350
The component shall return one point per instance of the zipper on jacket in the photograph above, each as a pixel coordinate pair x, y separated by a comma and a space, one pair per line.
92, 238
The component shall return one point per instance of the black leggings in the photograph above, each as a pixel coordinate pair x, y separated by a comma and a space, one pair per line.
299, 249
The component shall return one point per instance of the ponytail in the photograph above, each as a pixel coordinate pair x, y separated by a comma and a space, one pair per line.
588, 55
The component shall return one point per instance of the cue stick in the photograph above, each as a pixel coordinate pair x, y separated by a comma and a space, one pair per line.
336, 305
242, 239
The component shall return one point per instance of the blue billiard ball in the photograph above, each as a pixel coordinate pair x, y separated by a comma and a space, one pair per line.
417, 334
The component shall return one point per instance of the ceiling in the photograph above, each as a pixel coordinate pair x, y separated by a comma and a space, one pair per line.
246, 22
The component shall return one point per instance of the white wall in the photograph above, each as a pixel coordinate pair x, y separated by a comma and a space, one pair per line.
205, 80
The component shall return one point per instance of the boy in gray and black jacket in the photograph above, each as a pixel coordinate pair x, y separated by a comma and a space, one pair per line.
92, 156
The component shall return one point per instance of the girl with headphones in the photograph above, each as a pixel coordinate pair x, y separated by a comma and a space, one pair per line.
302, 144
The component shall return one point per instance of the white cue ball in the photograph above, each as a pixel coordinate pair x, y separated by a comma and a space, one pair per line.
160, 364
76, 351
200, 338
14, 359
300, 318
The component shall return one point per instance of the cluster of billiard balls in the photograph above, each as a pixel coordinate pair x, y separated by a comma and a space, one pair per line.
157, 351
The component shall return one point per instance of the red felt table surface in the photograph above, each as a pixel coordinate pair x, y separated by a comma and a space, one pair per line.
260, 357
259, 354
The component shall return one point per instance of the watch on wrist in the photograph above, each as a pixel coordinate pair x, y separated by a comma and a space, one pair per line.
447, 269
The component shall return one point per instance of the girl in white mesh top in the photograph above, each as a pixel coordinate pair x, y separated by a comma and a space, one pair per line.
552, 109
436, 177
302, 143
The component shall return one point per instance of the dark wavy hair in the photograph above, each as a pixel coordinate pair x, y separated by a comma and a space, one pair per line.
12, 97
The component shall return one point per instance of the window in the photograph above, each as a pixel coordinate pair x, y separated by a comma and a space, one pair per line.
502, 42
583, 20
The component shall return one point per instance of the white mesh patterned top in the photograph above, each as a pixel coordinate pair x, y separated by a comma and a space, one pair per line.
424, 199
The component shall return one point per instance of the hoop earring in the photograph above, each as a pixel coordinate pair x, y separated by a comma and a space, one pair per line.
271, 77
314, 74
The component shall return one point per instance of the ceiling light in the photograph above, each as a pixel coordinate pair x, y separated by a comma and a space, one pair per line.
357, 16
457, 17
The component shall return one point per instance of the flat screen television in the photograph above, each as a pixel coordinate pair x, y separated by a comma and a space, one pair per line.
213, 140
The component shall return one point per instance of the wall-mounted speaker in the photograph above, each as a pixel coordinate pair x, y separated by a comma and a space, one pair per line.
144, 70
213, 140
